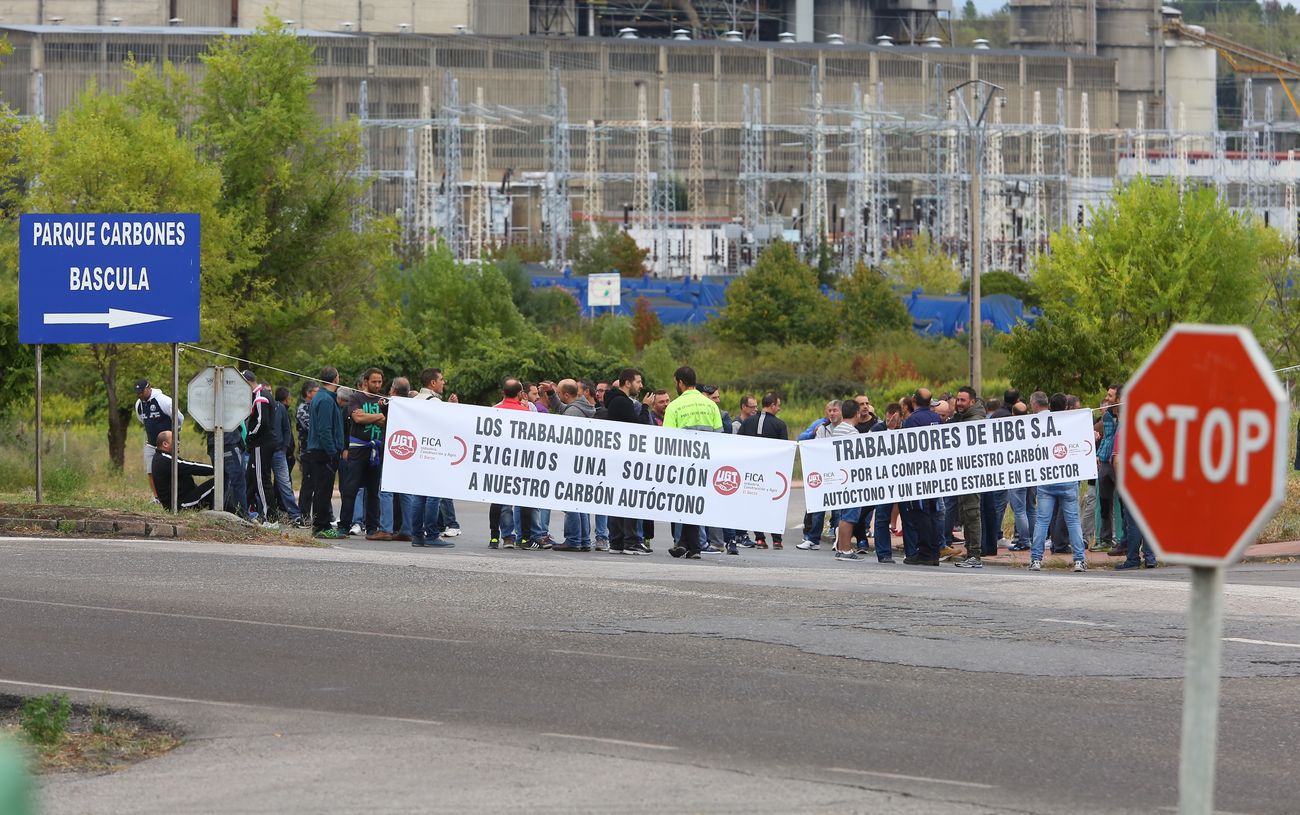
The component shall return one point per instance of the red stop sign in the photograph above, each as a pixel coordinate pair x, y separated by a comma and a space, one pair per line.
1203, 444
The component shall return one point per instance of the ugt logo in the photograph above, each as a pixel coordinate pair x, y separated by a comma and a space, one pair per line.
726, 480
402, 445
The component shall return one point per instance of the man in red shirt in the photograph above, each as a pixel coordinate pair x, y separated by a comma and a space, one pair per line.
501, 518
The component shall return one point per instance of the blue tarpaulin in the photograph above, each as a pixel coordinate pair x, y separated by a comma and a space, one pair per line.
694, 301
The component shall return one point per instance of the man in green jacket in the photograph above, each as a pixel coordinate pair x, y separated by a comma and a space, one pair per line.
691, 410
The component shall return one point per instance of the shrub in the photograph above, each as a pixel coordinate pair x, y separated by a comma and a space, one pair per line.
45, 718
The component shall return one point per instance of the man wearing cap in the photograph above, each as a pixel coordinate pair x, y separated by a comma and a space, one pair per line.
154, 410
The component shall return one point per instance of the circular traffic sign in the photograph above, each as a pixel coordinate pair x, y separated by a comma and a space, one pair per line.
1202, 447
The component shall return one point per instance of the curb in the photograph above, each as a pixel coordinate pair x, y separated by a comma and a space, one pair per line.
136, 529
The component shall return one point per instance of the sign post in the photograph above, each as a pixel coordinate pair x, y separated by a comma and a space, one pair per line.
604, 289
101, 279
40, 440
1202, 467
218, 397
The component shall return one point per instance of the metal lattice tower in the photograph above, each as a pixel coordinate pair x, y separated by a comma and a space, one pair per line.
1251, 137
641, 199
995, 197
753, 187
878, 234
1062, 25
592, 189
478, 194
426, 181
1084, 174
664, 204
1220, 165
1181, 148
695, 175
1268, 148
1037, 225
410, 220
935, 159
1085, 142
1290, 227
38, 100
955, 219
857, 193
1062, 160
815, 204
448, 208
1140, 140
695, 172
362, 213
557, 216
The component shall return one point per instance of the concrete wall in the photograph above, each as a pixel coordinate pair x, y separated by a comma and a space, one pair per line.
84, 12
384, 16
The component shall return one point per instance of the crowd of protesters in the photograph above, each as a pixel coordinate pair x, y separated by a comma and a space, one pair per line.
337, 434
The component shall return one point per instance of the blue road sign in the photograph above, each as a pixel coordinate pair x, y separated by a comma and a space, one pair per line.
108, 278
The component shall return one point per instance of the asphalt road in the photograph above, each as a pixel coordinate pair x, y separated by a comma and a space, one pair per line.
380, 678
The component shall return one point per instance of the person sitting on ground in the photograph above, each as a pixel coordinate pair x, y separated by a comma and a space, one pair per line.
189, 494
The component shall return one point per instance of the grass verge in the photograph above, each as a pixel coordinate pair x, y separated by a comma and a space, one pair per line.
97, 739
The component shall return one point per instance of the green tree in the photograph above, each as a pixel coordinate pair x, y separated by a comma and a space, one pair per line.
436, 303
922, 266
103, 156
616, 335
609, 250
869, 306
1153, 256
969, 12
1009, 283
486, 360
293, 185
778, 300
17, 361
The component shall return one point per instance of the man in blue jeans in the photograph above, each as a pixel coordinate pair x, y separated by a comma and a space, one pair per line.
423, 520
1067, 497
1140, 552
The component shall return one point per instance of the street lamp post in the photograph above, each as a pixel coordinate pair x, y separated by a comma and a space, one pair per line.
974, 116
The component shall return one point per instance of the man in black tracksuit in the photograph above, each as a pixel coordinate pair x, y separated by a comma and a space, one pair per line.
189, 494
263, 441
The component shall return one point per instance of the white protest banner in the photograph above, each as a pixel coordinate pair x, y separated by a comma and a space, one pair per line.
586, 465
956, 458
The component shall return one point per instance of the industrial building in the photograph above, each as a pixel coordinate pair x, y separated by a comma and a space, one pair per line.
710, 126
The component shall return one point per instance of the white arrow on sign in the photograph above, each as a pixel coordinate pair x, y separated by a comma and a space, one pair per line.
113, 318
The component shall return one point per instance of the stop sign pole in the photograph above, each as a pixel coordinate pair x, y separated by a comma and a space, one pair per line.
1202, 467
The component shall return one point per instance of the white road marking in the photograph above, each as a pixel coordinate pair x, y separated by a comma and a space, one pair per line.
619, 742
605, 656
209, 702
1262, 642
205, 618
900, 777
1076, 622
